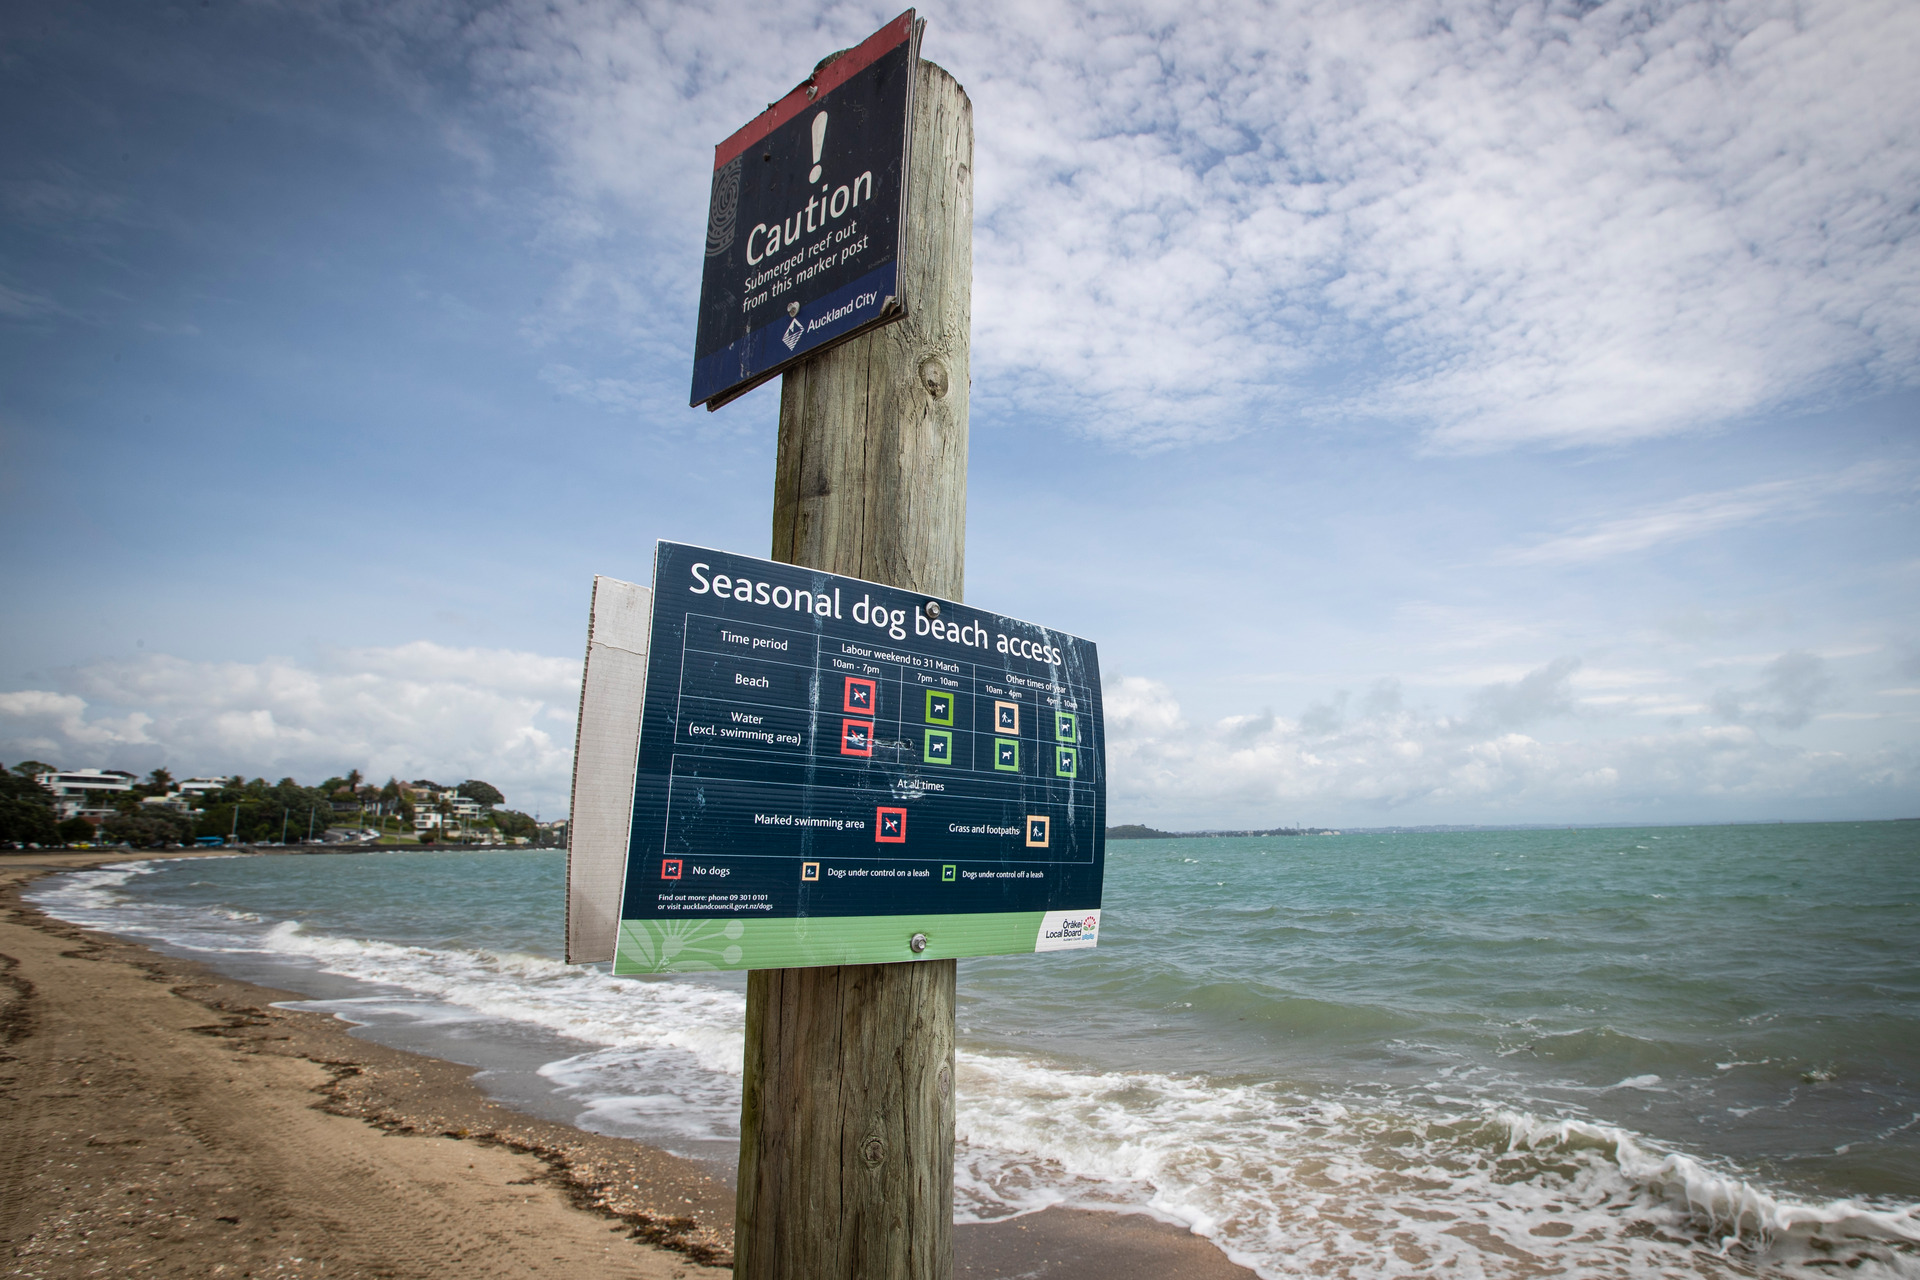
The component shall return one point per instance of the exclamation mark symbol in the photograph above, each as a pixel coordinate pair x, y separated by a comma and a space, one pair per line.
819, 141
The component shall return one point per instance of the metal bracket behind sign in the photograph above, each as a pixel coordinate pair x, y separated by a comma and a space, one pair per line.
612, 690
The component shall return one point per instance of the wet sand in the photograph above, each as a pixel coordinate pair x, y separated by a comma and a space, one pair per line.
162, 1120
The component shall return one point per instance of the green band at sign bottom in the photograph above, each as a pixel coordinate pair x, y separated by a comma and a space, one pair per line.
707, 943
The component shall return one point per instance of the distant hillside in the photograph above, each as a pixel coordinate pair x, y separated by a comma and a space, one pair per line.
1135, 831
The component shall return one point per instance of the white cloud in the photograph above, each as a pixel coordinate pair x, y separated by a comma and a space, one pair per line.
1376, 760
1539, 695
1700, 515
609, 393
62, 718
1540, 222
1789, 690
65, 204
415, 710
426, 710
1447, 626
1529, 223
17, 304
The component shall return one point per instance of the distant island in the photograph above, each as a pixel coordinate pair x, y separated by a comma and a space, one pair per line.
1135, 831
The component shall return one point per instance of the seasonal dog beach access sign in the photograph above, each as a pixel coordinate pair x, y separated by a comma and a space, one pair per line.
805, 223
836, 772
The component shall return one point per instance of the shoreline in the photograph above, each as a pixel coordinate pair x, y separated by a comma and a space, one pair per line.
207, 1079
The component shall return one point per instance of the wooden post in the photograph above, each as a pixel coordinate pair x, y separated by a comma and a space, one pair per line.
846, 1118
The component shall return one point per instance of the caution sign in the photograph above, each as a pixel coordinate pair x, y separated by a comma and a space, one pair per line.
805, 222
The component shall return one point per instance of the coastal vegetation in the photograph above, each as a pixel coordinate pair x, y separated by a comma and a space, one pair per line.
159, 811
26, 808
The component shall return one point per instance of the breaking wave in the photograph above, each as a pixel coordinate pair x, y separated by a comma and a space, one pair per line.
1288, 1180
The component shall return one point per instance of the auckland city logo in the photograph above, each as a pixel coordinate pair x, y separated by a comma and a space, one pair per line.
795, 332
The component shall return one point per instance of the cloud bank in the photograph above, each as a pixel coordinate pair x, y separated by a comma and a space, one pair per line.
426, 710
1376, 761
1536, 223
411, 711
1701, 515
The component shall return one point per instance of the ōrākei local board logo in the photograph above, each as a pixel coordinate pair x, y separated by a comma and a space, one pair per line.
1073, 928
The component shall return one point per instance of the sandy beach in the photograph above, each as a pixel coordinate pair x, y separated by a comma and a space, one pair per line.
163, 1120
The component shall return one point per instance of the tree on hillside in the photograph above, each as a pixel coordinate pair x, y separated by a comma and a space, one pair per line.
258, 813
31, 769
354, 779
75, 830
150, 829
394, 800
26, 808
511, 822
218, 819
481, 793
158, 783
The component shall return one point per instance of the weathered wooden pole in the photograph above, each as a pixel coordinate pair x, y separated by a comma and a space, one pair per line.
846, 1142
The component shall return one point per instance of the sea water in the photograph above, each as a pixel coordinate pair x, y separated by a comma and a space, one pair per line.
1615, 1052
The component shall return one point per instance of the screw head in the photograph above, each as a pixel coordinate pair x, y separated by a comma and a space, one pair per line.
793, 309
917, 943
931, 608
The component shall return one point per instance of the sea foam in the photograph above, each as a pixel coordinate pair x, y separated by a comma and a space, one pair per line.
1296, 1184
1290, 1181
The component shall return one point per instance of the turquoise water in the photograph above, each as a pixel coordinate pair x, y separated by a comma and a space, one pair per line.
1612, 1052
1537, 965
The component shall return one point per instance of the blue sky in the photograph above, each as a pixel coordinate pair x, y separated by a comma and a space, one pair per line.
1436, 412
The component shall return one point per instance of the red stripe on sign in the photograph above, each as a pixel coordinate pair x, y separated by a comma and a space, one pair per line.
830, 77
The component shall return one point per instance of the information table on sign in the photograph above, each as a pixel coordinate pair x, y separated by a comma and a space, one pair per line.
831, 772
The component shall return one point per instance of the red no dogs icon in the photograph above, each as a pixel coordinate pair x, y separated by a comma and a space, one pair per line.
860, 696
856, 737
